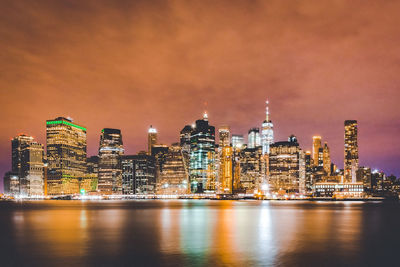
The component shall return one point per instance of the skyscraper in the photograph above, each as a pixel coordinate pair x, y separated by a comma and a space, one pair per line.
224, 136
350, 151
253, 138
250, 169
66, 155
151, 138
326, 159
316, 150
237, 141
202, 157
139, 174
267, 132
174, 176
110, 170
27, 163
287, 167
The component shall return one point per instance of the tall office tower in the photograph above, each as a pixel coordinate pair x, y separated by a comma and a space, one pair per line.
350, 150
202, 157
316, 150
89, 183
237, 141
174, 177
253, 138
139, 175
27, 166
224, 136
184, 140
159, 152
326, 159
151, 138
66, 156
32, 180
287, 167
309, 173
267, 132
110, 170
226, 169
250, 169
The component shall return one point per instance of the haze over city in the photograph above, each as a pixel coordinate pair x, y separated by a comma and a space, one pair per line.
132, 64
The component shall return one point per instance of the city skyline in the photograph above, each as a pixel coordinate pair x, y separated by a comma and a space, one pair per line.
135, 66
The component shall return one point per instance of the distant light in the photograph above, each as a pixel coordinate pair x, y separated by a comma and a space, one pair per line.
264, 187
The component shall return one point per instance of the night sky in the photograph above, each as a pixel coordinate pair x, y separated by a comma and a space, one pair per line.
129, 64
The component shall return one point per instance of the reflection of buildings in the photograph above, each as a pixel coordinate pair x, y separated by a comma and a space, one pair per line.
350, 150
202, 157
110, 152
287, 167
66, 156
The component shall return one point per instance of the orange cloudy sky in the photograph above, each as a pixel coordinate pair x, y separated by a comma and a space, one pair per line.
129, 64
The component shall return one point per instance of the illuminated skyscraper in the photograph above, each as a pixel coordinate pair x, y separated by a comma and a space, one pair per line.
350, 151
237, 141
267, 132
250, 168
184, 139
308, 171
66, 156
224, 136
253, 138
326, 159
174, 176
27, 163
287, 167
139, 174
110, 170
202, 157
151, 138
316, 150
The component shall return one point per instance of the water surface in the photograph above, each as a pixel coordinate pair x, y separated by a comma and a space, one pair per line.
199, 233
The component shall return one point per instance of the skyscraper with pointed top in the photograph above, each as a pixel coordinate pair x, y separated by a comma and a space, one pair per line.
151, 138
267, 132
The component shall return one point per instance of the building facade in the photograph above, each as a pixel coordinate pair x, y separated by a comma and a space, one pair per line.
66, 156
151, 138
287, 167
253, 138
139, 174
110, 152
267, 132
202, 157
350, 150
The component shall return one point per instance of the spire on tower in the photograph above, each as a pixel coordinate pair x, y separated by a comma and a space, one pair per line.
205, 116
267, 111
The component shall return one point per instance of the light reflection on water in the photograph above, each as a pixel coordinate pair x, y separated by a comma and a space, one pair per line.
198, 232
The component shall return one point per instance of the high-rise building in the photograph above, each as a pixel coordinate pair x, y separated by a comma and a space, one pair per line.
308, 170
27, 164
202, 157
287, 167
139, 174
267, 132
350, 151
174, 178
326, 159
253, 138
11, 183
224, 136
184, 139
237, 141
151, 138
66, 155
316, 150
250, 168
110, 170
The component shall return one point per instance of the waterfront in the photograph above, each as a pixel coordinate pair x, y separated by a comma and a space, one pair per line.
199, 233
